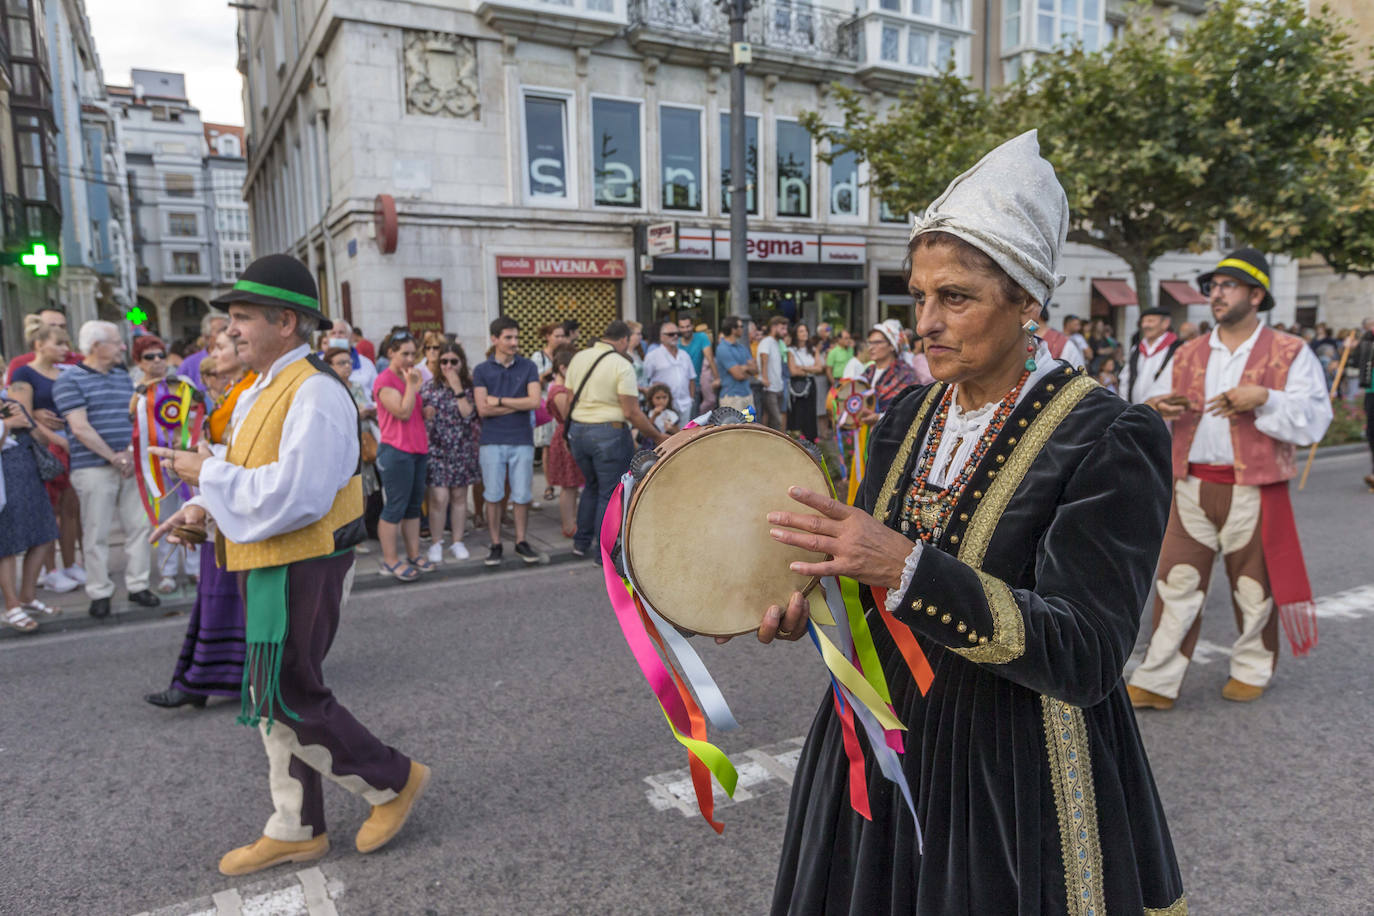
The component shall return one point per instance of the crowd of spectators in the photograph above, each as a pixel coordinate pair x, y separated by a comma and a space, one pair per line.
437, 426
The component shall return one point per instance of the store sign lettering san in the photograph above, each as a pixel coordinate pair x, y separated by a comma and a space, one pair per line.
580, 268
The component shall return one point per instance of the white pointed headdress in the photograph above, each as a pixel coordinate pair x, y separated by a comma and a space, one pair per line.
1011, 207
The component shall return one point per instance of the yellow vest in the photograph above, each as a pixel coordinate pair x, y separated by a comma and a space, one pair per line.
255, 444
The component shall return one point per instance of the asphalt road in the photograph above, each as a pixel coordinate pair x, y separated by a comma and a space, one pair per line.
555, 775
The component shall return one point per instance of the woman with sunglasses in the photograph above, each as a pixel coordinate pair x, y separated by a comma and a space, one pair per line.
150, 358
454, 430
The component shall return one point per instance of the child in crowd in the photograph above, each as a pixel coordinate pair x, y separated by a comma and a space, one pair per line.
661, 412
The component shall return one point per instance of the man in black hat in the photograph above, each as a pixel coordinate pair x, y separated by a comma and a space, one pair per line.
1242, 398
1148, 372
286, 497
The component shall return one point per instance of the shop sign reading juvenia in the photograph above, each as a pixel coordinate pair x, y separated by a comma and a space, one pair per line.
577, 268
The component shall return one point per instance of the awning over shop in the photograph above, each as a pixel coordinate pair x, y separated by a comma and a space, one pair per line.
1182, 292
1116, 293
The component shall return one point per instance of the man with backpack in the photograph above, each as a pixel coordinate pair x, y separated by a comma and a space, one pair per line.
1148, 372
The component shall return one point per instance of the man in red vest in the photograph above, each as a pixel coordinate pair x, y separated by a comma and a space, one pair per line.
1244, 397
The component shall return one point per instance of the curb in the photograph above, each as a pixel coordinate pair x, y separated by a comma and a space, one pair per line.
1350, 448
71, 621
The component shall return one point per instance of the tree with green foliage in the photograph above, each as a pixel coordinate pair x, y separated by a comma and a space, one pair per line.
1251, 117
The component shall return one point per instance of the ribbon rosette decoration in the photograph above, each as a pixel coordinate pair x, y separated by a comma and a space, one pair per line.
851, 436
169, 414
690, 699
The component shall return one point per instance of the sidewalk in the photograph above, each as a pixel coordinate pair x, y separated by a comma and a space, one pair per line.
545, 535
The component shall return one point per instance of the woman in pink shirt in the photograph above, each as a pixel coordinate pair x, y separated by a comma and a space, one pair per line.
401, 457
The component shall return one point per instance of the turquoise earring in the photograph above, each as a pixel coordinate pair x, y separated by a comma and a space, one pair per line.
1030, 327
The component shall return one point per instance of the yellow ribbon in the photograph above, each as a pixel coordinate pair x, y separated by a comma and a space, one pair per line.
1250, 269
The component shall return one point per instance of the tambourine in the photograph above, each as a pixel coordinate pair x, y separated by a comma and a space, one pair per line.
722, 479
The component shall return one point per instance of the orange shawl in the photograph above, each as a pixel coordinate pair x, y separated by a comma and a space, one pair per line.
220, 417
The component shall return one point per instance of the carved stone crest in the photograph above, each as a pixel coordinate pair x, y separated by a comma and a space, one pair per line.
441, 75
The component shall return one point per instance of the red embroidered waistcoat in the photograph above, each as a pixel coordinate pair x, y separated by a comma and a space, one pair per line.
1259, 459
1055, 340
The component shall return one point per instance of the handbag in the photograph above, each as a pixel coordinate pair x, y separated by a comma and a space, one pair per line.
49, 466
367, 446
799, 386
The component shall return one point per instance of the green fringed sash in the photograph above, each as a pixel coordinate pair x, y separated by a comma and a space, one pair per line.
264, 603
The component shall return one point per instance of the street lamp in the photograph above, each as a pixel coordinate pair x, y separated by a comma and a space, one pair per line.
739, 183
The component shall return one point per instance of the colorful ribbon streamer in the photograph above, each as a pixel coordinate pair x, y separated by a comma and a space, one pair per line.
172, 419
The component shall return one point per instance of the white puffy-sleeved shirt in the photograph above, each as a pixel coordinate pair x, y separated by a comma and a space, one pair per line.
317, 457
958, 442
1153, 377
1298, 414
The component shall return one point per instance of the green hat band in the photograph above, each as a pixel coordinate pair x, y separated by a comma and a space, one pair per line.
262, 289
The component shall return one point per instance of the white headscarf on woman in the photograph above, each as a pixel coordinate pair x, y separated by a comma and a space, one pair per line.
1011, 207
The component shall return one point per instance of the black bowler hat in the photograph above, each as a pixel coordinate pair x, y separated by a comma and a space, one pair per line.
1162, 312
278, 281
1246, 265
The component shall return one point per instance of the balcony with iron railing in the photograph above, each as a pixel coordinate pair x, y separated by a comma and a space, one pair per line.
575, 23
785, 34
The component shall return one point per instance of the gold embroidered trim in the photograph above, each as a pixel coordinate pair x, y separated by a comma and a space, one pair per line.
1178, 908
1003, 487
1008, 640
1071, 775
894, 473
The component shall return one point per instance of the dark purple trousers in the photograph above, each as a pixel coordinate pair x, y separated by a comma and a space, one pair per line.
326, 740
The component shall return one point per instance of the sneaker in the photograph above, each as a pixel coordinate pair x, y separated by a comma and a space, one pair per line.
459, 550
167, 585
58, 581
528, 553
494, 556
436, 553
76, 574
362, 550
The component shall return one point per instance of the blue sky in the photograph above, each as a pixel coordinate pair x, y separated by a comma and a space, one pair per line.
195, 37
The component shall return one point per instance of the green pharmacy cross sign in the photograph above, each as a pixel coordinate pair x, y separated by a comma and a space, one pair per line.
136, 315
39, 260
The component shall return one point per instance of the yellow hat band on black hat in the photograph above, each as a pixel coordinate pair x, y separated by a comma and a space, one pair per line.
1249, 268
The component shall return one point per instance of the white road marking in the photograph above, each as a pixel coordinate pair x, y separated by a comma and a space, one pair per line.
304, 893
762, 771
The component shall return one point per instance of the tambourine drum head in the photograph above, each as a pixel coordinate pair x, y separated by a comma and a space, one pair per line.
697, 542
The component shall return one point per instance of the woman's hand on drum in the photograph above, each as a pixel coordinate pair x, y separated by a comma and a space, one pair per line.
789, 624
860, 546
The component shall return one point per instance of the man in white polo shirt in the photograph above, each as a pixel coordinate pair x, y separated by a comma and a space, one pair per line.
670, 365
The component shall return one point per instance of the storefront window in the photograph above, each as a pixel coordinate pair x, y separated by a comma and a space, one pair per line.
616, 160
794, 169
751, 159
546, 147
680, 164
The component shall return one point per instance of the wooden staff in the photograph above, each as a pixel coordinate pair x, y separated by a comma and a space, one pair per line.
1335, 387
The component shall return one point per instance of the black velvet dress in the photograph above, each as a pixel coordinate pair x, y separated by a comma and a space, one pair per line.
1024, 761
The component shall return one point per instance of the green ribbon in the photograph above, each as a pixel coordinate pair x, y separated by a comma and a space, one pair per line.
265, 612
264, 604
262, 289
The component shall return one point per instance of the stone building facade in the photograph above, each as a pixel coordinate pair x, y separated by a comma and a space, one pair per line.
178, 187
443, 165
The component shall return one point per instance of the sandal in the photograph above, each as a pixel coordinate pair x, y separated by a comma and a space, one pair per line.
19, 619
401, 570
548, 494
422, 564
47, 610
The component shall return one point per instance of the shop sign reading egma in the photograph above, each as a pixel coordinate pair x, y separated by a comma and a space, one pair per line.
781, 247
577, 268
